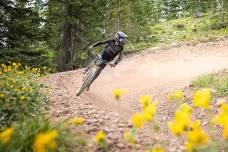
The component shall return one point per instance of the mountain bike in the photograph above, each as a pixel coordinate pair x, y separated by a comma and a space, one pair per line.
91, 73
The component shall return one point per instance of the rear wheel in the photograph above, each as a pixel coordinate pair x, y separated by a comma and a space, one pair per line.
90, 74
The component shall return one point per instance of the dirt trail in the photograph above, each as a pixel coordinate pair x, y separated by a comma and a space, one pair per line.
142, 74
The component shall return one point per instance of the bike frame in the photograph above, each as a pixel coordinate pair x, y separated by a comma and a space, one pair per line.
91, 73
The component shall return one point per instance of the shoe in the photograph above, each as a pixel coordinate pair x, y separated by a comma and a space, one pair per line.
83, 77
84, 72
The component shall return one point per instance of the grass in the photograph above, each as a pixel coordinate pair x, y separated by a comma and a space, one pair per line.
181, 30
219, 82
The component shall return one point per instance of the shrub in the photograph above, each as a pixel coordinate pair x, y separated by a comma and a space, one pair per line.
26, 137
20, 93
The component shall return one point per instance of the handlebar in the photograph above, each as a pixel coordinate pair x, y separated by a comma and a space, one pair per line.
99, 58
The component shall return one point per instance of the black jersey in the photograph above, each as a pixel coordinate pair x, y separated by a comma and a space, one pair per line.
111, 50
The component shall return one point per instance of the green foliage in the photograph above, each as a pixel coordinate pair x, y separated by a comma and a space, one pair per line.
135, 47
206, 80
72, 28
20, 95
181, 30
219, 82
23, 111
213, 147
38, 57
31, 30
23, 37
20, 25
25, 132
222, 86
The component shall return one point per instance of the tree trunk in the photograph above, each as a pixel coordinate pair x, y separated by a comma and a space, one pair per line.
222, 10
107, 10
64, 55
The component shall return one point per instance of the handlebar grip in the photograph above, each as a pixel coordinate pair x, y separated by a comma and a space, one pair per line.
99, 57
91, 52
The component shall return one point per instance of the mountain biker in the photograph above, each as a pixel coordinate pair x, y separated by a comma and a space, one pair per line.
113, 47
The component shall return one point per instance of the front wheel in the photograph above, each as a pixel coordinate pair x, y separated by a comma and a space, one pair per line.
90, 74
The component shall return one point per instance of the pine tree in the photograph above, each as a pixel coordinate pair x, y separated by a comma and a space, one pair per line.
76, 28
20, 25
22, 34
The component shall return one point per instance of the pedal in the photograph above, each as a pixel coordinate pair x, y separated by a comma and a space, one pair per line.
83, 77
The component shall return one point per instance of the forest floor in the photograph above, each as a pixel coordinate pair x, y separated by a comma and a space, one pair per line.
145, 73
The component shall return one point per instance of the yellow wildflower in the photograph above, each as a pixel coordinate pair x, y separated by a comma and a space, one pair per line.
189, 146
179, 94
77, 121
170, 96
20, 73
130, 137
184, 111
182, 118
3, 65
176, 95
45, 141
145, 101
6, 135
185, 108
224, 107
9, 68
5, 70
15, 65
202, 98
22, 97
45, 67
23, 89
196, 136
118, 92
176, 128
157, 149
225, 132
17, 90
34, 69
222, 119
2, 95
138, 120
100, 136
45, 76
30, 89
9, 79
27, 68
149, 112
